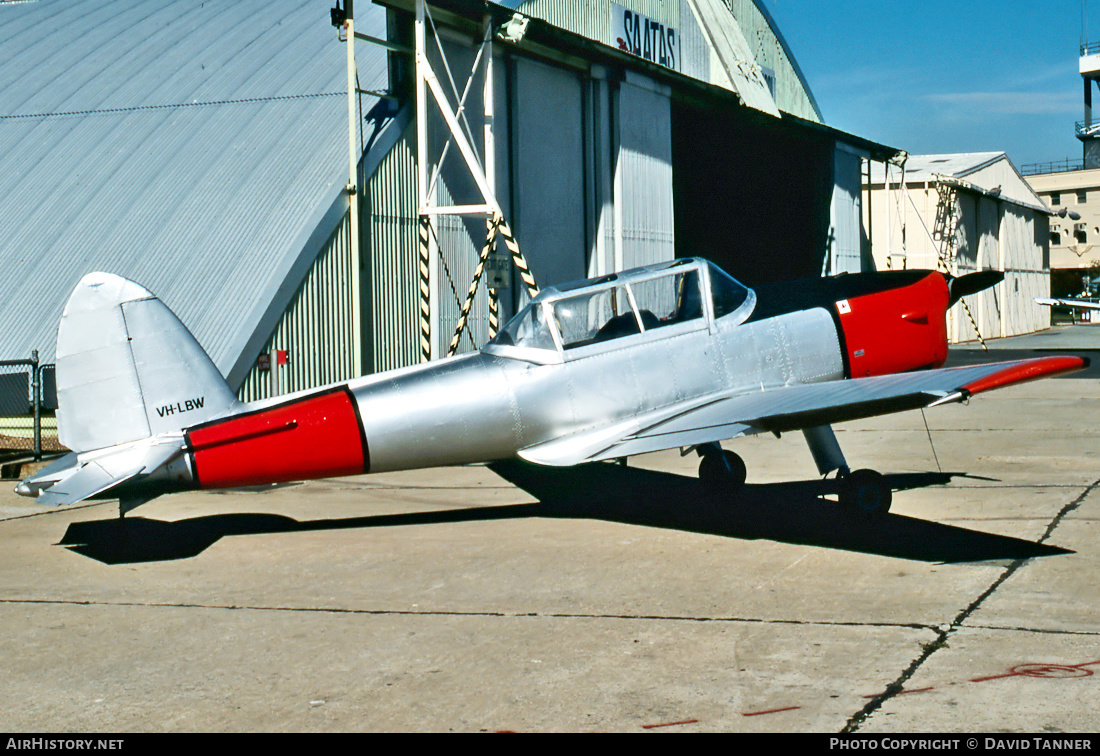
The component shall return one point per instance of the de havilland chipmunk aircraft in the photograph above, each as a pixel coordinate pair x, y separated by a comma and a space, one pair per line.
677, 354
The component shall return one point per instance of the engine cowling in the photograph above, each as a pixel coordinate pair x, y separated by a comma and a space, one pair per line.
896, 330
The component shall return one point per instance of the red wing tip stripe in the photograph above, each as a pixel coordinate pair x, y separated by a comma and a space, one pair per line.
1030, 370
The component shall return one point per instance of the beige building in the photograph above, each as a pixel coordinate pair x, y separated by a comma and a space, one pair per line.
1074, 241
962, 213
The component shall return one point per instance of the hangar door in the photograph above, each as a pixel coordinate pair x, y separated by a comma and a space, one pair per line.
548, 179
591, 171
752, 193
644, 173
846, 245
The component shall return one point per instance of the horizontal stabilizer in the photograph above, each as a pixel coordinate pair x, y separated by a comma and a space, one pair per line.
109, 470
85, 483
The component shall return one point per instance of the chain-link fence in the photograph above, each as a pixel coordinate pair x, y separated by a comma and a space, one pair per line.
28, 425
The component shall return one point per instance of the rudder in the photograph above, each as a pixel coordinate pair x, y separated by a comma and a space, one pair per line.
127, 368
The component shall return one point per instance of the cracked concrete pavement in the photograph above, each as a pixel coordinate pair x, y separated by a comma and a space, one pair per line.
602, 599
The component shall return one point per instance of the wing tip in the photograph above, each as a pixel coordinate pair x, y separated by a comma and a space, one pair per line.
1028, 370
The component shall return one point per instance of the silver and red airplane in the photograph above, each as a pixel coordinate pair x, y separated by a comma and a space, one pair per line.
677, 354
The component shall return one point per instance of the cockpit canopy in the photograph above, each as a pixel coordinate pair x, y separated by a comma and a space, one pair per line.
670, 298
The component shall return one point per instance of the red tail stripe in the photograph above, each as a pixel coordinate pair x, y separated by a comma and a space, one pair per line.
314, 437
1027, 371
244, 436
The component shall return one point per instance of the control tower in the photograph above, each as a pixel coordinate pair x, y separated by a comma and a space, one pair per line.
1088, 130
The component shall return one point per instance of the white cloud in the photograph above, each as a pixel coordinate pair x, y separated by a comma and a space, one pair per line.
1011, 103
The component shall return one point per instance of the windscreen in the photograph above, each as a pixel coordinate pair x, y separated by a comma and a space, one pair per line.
727, 293
527, 329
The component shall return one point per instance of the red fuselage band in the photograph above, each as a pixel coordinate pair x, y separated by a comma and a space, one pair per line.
317, 436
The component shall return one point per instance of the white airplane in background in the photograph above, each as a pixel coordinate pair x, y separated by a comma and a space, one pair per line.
1078, 303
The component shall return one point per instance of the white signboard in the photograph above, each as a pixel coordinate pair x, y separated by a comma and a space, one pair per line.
642, 36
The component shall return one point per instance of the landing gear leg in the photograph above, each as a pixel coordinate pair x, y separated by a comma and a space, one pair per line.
721, 471
866, 490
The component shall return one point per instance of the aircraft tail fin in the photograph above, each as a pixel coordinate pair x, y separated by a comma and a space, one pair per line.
128, 369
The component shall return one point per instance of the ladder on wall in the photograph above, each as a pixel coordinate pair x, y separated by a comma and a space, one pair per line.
947, 224
945, 234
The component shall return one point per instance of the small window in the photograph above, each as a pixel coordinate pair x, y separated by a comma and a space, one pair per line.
769, 79
1056, 198
1055, 237
1082, 196
1080, 233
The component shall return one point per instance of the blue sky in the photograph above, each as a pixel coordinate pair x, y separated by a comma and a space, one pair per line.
931, 76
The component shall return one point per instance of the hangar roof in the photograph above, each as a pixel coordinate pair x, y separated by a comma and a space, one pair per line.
989, 173
956, 165
192, 146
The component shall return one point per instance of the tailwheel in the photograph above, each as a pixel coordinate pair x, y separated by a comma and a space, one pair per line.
722, 472
867, 491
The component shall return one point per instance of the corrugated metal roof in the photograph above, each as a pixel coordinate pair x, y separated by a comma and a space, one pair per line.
193, 146
990, 173
956, 165
721, 28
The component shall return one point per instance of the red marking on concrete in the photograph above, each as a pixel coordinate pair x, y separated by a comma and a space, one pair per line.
669, 724
768, 711
1046, 671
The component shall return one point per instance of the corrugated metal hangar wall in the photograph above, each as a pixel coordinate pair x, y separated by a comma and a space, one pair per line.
990, 219
598, 167
622, 133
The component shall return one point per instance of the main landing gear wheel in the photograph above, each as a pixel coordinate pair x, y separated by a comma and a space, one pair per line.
722, 472
867, 491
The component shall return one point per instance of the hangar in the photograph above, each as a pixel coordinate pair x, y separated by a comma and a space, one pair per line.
961, 213
203, 148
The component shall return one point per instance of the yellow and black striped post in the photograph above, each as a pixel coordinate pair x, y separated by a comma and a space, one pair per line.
973, 324
518, 259
478, 271
494, 314
494, 303
425, 290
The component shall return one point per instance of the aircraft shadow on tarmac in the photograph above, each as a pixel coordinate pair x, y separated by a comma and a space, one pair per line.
796, 513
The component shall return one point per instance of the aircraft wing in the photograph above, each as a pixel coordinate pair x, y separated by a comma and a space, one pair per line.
1080, 304
786, 408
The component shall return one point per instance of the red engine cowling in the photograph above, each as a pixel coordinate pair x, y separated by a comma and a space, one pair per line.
896, 330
